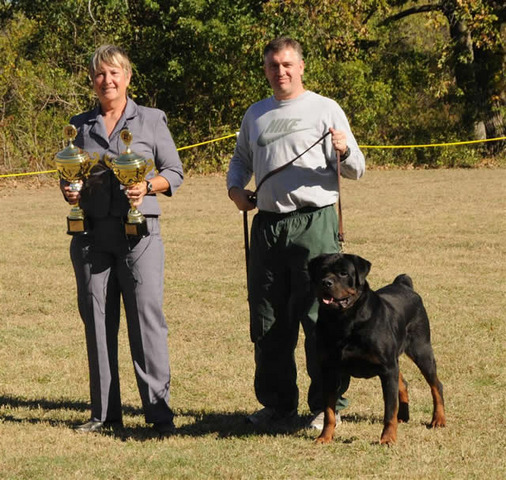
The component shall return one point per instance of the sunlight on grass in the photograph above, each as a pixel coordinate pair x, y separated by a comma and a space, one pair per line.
445, 228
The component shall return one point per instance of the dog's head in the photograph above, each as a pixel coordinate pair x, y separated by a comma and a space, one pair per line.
338, 278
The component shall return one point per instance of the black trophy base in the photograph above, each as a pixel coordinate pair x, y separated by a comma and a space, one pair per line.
77, 226
138, 230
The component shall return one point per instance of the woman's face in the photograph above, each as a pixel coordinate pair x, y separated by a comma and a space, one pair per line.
110, 83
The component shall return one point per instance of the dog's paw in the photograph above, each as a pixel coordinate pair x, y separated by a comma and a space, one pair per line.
321, 440
438, 422
388, 441
389, 435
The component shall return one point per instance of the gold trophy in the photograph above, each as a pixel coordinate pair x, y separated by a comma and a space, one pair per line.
131, 168
74, 165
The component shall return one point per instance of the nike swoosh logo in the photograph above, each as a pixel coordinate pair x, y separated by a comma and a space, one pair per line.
266, 139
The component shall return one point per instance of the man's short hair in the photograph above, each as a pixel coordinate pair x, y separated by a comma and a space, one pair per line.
110, 55
281, 43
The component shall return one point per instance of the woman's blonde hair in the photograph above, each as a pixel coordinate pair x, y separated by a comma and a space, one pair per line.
111, 55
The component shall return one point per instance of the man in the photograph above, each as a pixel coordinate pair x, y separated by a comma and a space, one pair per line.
296, 221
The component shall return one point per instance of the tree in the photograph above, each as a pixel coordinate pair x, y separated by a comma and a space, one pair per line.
201, 62
477, 55
380, 76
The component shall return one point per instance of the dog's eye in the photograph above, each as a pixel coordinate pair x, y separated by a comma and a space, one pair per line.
342, 274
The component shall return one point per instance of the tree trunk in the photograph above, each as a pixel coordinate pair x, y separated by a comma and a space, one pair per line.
478, 73
490, 80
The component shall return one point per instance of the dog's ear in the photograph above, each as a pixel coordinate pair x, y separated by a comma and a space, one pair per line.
314, 266
362, 268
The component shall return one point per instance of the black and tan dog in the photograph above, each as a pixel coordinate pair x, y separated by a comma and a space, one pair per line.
362, 333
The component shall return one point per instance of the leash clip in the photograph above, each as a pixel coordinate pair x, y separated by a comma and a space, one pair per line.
340, 238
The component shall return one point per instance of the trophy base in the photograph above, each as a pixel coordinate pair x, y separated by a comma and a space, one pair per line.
138, 230
77, 226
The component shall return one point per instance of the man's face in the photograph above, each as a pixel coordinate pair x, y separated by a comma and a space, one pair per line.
284, 70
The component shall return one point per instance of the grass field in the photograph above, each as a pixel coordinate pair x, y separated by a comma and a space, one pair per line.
445, 228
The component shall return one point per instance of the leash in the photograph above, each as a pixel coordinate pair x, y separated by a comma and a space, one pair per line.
246, 238
340, 231
253, 197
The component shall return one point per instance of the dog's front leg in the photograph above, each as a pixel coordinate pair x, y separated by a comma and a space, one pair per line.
329, 422
390, 386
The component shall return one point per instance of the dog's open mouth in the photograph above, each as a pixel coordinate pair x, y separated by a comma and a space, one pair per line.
341, 302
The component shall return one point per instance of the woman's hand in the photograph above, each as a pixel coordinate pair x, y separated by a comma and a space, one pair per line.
72, 193
136, 193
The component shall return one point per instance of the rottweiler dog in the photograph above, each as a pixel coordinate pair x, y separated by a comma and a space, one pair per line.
362, 332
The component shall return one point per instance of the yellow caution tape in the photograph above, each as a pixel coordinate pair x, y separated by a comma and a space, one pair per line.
430, 145
208, 141
435, 144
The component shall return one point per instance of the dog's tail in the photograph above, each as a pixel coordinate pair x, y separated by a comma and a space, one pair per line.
405, 280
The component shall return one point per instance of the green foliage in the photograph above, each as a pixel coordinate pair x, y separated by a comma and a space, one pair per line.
201, 62
475, 53
35, 99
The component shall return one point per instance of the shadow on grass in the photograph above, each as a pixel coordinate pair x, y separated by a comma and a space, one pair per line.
24, 410
194, 423
230, 424
8, 403
63, 404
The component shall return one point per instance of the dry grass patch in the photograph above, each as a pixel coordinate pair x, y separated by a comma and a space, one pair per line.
445, 228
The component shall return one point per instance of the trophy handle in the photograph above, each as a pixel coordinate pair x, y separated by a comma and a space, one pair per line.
150, 165
93, 160
107, 161
110, 164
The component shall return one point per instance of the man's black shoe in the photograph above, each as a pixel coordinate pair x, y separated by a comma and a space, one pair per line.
96, 426
165, 429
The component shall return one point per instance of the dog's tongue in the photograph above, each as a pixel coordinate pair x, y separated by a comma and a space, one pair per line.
340, 302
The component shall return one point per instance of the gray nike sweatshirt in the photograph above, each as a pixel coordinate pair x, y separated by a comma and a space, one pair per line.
273, 133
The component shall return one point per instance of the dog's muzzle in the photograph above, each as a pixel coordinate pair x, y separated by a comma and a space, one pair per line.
327, 298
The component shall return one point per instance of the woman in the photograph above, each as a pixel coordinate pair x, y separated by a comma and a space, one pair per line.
107, 264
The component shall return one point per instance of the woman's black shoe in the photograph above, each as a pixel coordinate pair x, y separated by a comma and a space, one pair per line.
95, 426
164, 429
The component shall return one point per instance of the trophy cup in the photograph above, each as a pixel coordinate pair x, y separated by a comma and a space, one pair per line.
130, 168
74, 165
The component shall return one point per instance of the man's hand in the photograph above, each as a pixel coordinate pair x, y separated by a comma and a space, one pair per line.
241, 198
339, 141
